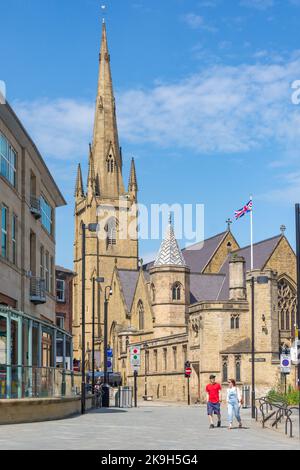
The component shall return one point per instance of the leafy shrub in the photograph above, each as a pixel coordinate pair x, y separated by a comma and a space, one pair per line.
291, 398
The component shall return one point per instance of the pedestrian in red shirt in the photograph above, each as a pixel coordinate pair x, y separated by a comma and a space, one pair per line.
213, 390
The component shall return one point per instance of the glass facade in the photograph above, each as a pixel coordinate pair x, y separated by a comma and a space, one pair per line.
46, 210
4, 212
14, 238
8, 160
28, 358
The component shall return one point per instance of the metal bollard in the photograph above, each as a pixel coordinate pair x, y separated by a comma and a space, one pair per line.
246, 396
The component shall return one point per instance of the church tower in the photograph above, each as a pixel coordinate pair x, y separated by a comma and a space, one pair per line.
106, 202
169, 282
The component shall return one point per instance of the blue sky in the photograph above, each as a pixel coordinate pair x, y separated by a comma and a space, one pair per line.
203, 91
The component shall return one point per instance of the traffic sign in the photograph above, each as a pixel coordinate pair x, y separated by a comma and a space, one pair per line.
135, 357
110, 352
188, 369
285, 363
109, 365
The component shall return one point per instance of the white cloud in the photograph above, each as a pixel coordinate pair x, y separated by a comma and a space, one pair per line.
223, 109
61, 128
198, 22
288, 191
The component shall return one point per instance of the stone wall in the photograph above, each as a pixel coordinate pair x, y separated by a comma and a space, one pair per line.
39, 409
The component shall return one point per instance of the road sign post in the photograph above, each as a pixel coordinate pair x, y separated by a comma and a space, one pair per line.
135, 387
110, 356
135, 356
285, 363
135, 361
187, 374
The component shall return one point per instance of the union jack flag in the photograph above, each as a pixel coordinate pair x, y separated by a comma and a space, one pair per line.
244, 210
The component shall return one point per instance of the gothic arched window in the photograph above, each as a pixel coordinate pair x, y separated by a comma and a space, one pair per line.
111, 229
234, 322
287, 305
224, 369
238, 368
176, 291
141, 315
110, 164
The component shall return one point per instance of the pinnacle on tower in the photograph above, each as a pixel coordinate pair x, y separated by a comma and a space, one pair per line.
91, 172
132, 185
79, 184
92, 189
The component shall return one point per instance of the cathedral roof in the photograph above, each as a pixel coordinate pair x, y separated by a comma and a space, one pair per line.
169, 252
128, 281
198, 255
206, 287
261, 253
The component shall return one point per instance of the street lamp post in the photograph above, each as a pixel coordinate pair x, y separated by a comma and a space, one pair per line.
105, 387
252, 349
259, 280
91, 228
297, 336
98, 280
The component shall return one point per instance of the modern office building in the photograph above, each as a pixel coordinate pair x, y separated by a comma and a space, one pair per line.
29, 197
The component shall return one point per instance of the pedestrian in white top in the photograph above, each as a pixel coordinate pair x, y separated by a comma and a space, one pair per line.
234, 401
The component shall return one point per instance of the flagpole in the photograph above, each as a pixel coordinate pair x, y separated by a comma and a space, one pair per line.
251, 233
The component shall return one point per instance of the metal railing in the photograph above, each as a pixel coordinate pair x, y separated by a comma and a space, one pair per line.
275, 411
38, 382
37, 290
35, 207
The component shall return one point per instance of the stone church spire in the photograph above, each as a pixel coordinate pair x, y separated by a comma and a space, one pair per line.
169, 253
105, 148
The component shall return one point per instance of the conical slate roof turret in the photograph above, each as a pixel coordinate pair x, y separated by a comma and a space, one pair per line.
169, 252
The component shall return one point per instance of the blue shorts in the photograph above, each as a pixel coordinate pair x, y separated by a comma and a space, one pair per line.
213, 408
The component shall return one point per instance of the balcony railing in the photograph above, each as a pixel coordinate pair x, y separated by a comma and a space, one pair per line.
38, 382
37, 291
35, 207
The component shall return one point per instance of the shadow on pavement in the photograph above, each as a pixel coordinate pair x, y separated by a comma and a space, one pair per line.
106, 410
234, 428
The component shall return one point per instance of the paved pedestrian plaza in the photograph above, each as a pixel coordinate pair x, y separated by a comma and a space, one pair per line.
147, 427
